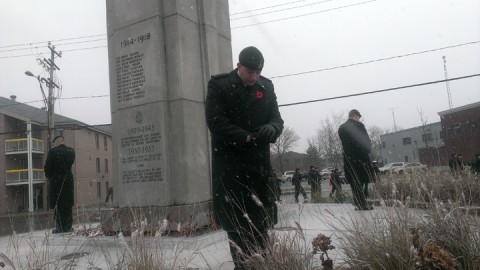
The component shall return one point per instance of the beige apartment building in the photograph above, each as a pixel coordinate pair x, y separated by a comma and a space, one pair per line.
24, 148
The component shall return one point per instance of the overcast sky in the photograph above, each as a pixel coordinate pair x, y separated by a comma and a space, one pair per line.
313, 50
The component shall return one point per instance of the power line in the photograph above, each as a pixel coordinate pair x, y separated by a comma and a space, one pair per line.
303, 15
373, 61
41, 100
379, 91
28, 44
81, 49
289, 3
296, 103
71, 50
99, 96
280, 10
68, 43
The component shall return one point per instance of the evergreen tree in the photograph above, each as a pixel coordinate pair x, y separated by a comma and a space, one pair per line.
313, 155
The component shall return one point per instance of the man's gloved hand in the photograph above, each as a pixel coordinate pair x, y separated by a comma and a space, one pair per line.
266, 132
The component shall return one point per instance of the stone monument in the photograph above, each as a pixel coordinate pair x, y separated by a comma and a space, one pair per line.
161, 55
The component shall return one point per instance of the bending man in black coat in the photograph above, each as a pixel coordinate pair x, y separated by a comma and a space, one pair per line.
243, 117
58, 170
356, 159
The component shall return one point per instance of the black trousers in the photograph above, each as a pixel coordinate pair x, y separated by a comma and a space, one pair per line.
63, 218
299, 189
358, 191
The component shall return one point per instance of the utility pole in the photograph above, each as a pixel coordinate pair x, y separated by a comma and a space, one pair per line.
51, 99
394, 123
50, 66
450, 104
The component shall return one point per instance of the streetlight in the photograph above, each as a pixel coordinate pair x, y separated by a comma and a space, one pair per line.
48, 102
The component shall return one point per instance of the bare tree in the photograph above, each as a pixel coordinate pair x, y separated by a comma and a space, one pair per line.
423, 118
374, 133
329, 144
285, 142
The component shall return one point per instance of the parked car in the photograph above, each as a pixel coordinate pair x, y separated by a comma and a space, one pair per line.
410, 167
389, 167
287, 176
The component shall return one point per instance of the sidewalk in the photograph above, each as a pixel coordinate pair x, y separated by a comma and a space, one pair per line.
208, 251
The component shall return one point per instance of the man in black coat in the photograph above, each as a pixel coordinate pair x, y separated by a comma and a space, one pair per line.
336, 182
243, 117
312, 180
297, 182
58, 170
356, 158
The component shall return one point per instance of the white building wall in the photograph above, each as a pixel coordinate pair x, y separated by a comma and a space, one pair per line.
403, 145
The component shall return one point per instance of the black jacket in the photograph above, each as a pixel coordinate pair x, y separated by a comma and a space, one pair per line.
58, 169
240, 168
356, 151
297, 178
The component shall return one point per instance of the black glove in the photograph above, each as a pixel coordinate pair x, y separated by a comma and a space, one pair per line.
266, 132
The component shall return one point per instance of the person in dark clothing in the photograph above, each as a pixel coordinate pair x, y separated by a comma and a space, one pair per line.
318, 179
109, 194
456, 164
336, 182
297, 182
312, 180
357, 164
476, 164
58, 170
243, 118
278, 185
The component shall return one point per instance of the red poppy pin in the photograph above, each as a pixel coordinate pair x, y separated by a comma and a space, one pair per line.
259, 94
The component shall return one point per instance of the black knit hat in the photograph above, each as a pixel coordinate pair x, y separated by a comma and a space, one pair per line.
251, 58
354, 112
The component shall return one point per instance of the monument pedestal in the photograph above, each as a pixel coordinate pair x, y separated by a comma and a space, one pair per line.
161, 55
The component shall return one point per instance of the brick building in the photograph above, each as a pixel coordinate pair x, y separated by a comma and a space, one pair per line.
461, 130
23, 150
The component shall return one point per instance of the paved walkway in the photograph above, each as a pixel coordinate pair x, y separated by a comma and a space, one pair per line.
209, 251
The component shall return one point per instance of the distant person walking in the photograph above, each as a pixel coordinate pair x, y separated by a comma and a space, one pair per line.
297, 182
476, 164
109, 195
456, 164
277, 185
314, 180
243, 118
335, 182
357, 164
58, 170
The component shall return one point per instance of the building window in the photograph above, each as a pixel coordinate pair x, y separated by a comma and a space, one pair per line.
105, 143
406, 158
427, 137
106, 186
473, 126
449, 132
407, 140
456, 130
97, 142
106, 165
99, 189
383, 145
98, 165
